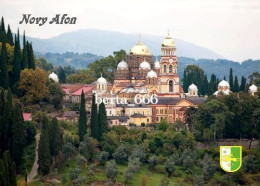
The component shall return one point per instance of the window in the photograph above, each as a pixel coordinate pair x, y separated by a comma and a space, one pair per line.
157, 119
170, 86
170, 69
164, 69
147, 120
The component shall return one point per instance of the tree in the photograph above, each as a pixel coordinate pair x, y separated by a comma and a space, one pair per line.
9, 36
243, 84
169, 166
102, 120
84, 76
103, 157
17, 59
3, 67
55, 94
87, 147
9, 169
163, 125
30, 56
33, 85
62, 75
44, 160
111, 169
231, 79
209, 166
2, 30
121, 154
134, 166
82, 118
94, 119
18, 138
212, 87
55, 138
198, 180
153, 160
236, 85
25, 55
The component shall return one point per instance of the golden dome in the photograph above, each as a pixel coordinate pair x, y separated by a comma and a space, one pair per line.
168, 42
140, 49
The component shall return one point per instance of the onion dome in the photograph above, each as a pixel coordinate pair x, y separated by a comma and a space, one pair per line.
151, 74
54, 77
168, 42
223, 83
192, 87
122, 65
140, 49
145, 65
102, 80
156, 64
253, 88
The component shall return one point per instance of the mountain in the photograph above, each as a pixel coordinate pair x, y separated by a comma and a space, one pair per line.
103, 43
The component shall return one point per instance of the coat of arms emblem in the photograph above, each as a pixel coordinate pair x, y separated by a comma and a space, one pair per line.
230, 158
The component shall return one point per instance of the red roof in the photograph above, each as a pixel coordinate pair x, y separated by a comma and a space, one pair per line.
85, 90
66, 90
27, 116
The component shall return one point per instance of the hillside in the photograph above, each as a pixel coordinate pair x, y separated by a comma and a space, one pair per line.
219, 67
101, 42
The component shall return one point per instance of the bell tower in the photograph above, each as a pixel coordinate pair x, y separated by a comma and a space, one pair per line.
168, 77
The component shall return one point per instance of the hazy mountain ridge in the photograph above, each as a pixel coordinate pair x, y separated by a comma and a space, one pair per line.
101, 42
219, 67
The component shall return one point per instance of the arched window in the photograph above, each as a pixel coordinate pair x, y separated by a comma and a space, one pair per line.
164, 69
170, 86
170, 69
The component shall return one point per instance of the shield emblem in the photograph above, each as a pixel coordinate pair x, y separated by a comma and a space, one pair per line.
230, 158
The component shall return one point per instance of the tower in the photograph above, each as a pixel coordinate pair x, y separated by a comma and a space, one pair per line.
168, 77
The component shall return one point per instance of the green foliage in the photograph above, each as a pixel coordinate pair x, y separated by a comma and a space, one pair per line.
3, 67
68, 150
198, 180
111, 169
43, 64
134, 166
194, 74
56, 94
169, 166
7, 171
236, 85
250, 164
82, 118
153, 160
231, 79
163, 125
87, 147
103, 157
61, 75
44, 160
94, 119
209, 167
84, 76
102, 120
121, 154
55, 138
25, 55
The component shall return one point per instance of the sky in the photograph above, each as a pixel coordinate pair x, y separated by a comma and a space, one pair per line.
230, 28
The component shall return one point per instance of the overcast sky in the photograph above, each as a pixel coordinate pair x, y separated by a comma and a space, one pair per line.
228, 27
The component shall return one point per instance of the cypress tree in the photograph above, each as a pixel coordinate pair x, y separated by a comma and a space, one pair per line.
213, 84
185, 86
243, 84
9, 168
3, 174
55, 141
2, 124
2, 30
102, 120
82, 118
94, 119
236, 85
62, 75
25, 55
4, 79
18, 138
17, 60
225, 78
9, 36
46, 128
44, 157
30, 56
231, 79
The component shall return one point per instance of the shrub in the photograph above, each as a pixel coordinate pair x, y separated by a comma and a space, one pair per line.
198, 180
111, 169
153, 160
103, 157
